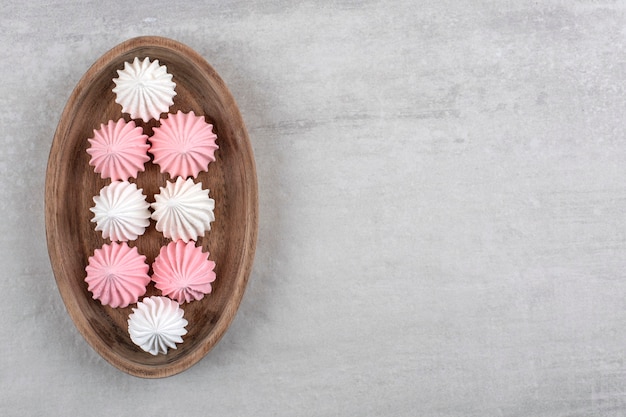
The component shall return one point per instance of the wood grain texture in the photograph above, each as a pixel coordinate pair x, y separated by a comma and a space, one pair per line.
71, 185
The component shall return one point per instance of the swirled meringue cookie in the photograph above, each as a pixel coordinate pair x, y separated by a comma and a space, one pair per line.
117, 274
183, 272
183, 144
121, 211
144, 89
157, 324
183, 210
118, 150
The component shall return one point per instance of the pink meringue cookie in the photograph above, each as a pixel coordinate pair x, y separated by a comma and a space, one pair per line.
184, 144
121, 211
117, 275
118, 150
183, 272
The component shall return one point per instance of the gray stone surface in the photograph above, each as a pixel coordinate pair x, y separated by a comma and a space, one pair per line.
442, 201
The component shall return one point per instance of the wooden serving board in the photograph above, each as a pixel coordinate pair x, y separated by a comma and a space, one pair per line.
71, 184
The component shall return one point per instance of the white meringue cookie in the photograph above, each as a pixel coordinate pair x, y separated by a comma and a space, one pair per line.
157, 324
144, 89
183, 210
121, 211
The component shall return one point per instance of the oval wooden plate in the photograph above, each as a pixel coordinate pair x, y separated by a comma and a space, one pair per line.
71, 185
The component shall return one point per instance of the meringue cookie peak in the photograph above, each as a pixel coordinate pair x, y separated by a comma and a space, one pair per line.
144, 89
157, 324
121, 211
184, 144
182, 271
117, 274
183, 210
118, 150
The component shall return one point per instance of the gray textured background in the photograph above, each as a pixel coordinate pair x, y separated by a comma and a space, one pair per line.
442, 202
